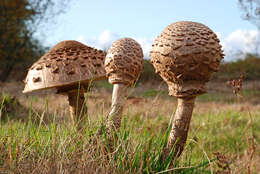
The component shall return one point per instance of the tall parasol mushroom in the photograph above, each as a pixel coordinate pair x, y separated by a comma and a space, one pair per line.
185, 55
123, 65
68, 67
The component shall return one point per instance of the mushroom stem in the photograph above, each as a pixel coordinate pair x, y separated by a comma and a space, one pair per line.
118, 102
77, 107
180, 125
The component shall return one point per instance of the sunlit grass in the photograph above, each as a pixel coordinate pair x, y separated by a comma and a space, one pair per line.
41, 144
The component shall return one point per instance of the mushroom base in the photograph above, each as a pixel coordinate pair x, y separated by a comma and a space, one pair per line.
180, 126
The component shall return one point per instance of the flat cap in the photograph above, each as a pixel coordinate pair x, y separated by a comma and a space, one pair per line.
64, 66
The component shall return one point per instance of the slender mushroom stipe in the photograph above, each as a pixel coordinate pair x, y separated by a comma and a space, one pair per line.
76, 103
118, 101
185, 55
123, 65
69, 67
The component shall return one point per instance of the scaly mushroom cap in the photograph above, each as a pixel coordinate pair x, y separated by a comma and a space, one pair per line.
64, 66
124, 61
185, 55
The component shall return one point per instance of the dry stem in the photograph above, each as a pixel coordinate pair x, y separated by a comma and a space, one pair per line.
118, 102
76, 101
180, 126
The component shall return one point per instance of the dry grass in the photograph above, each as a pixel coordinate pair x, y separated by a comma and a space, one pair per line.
149, 109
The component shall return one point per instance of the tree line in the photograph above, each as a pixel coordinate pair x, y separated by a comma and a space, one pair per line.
19, 20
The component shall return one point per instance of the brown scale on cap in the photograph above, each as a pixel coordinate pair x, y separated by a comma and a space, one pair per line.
185, 55
124, 61
123, 65
66, 64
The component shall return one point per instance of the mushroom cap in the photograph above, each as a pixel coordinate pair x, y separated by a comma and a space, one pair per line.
185, 55
65, 66
124, 62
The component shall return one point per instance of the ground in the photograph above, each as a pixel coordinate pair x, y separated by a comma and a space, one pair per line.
222, 137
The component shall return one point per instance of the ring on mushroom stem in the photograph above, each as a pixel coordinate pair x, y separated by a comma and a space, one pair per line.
185, 55
69, 67
123, 65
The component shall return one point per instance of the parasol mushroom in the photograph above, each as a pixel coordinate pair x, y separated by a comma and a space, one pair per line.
68, 67
185, 55
123, 65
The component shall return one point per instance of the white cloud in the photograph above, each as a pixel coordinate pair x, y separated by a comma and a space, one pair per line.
239, 43
146, 45
106, 38
236, 45
103, 41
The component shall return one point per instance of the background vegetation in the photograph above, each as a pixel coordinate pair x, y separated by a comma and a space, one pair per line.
19, 21
249, 67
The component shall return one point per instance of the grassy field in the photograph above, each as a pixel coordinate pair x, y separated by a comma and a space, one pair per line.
36, 135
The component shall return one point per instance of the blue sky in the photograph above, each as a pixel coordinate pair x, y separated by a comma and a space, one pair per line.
99, 22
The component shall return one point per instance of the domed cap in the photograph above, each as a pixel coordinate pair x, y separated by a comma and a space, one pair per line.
124, 61
185, 55
64, 66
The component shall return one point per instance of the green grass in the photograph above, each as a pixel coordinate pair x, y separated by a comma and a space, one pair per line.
216, 97
220, 97
34, 146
